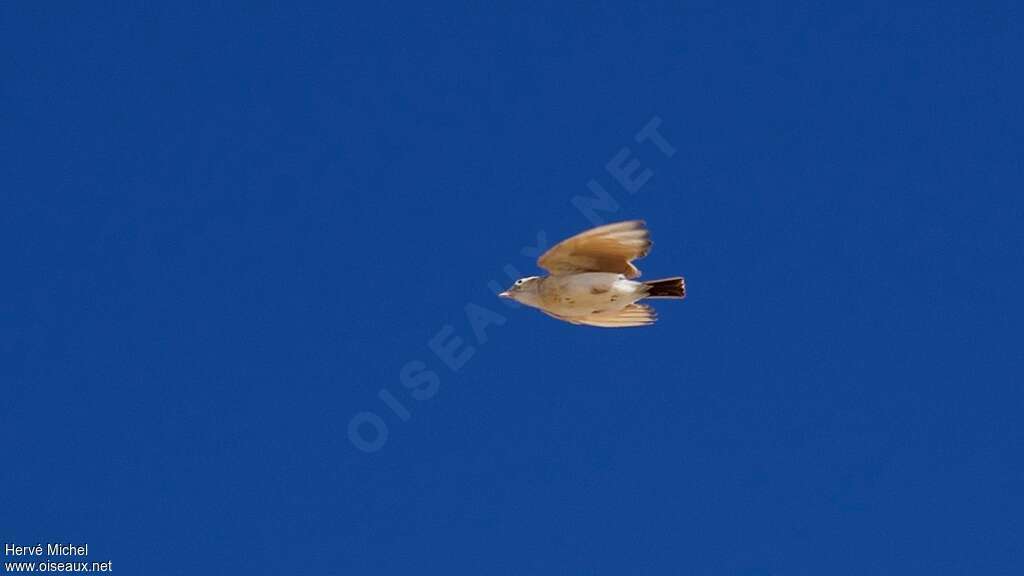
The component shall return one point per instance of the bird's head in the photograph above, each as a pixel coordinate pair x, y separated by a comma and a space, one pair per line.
523, 290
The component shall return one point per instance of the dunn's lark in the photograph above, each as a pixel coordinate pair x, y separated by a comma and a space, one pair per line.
591, 279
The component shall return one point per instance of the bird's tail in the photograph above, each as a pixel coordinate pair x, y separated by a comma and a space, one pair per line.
666, 288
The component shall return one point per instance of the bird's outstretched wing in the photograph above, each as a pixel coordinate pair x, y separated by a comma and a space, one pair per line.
632, 315
608, 248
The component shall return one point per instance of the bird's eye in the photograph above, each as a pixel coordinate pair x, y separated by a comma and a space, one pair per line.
518, 282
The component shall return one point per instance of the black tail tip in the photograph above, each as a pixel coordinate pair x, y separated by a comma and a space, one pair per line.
667, 288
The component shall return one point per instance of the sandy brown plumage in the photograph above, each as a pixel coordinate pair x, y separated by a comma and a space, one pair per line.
631, 315
609, 248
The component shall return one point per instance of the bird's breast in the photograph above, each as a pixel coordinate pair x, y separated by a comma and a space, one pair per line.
586, 293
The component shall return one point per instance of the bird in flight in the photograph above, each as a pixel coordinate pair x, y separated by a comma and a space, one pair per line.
591, 279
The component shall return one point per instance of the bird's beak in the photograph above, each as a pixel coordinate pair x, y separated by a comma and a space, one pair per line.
504, 294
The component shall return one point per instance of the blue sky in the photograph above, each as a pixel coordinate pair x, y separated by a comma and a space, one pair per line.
228, 231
